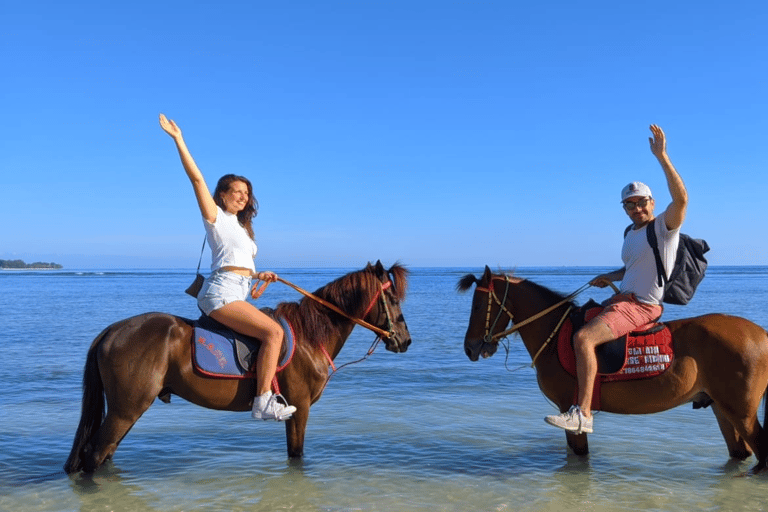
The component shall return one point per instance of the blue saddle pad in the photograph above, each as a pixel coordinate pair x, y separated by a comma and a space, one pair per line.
218, 351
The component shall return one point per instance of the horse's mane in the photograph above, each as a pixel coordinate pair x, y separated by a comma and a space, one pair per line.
548, 294
351, 293
466, 282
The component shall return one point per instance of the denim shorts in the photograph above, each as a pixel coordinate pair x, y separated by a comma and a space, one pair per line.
220, 288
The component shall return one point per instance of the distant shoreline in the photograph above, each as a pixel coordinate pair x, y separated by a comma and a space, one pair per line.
21, 265
12, 269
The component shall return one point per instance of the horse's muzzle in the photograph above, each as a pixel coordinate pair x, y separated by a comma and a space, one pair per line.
394, 344
479, 349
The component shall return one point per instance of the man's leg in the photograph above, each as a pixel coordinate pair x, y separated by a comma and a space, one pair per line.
585, 341
579, 418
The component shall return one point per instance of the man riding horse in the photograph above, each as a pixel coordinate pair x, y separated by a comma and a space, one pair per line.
639, 299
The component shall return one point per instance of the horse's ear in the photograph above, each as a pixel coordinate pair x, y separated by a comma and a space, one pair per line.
487, 274
380, 268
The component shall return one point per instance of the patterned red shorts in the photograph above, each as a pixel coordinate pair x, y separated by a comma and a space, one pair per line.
623, 313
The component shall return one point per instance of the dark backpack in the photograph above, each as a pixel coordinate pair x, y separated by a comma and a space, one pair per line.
689, 269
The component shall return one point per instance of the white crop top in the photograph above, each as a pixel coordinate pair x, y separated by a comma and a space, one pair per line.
229, 241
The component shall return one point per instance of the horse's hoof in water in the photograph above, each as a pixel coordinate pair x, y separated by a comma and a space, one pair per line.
758, 468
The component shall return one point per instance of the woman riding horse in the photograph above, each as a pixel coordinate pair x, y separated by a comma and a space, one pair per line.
228, 216
137, 360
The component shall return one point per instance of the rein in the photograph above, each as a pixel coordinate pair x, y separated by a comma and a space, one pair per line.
381, 333
494, 338
359, 321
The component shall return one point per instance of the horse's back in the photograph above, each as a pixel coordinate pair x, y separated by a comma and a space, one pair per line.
718, 337
720, 325
142, 332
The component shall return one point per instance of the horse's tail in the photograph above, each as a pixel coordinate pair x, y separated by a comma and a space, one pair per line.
93, 406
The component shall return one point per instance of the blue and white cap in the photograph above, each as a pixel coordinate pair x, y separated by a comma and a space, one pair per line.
635, 189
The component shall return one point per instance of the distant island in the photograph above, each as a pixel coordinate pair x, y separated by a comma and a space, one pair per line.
18, 264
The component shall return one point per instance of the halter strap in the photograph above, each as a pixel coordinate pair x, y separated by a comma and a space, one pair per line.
488, 338
328, 357
376, 297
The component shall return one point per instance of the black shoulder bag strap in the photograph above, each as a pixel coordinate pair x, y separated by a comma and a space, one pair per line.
650, 231
202, 250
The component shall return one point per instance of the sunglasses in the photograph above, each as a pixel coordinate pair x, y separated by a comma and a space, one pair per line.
631, 205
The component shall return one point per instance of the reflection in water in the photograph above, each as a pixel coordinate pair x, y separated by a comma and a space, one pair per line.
105, 489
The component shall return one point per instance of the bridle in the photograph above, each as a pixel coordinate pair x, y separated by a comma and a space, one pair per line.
489, 337
380, 295
381, 333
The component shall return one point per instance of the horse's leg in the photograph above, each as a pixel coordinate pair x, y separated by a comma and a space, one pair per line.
121, 416
737, 448
295, 428
578, 443
128, 395
105, 442
747, 427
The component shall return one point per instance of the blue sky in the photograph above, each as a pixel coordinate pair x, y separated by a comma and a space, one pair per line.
437, 133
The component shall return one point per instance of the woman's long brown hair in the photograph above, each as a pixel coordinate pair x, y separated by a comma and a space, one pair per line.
246, 215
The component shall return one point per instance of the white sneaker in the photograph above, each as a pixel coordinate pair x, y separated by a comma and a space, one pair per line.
266, 407
572, 421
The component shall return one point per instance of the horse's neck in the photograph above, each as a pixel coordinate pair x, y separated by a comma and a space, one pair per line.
527, 303
342, 328
336, 342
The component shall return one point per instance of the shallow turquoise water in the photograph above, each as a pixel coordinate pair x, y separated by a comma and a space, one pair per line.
423, 430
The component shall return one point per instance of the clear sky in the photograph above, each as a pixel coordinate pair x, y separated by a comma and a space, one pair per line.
437, 133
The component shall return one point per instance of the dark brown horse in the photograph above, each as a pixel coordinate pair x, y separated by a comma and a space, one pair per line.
136, 360
718, 358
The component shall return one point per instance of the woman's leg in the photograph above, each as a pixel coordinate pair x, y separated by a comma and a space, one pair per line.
245, 318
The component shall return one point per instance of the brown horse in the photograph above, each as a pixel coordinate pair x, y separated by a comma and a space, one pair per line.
138, 359
718, 358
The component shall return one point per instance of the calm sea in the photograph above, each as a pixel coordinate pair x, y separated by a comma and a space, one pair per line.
421, 431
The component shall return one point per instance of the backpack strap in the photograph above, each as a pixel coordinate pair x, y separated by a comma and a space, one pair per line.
650, 232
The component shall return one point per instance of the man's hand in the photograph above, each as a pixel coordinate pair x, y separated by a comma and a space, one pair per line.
658, 142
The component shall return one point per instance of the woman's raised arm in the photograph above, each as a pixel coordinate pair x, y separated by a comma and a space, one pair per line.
203, 195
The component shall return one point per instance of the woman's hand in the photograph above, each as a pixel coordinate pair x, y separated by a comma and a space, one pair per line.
266, 276
170, 127
262, 281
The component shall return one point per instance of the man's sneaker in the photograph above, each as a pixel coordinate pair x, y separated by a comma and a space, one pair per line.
572, 421
266, 407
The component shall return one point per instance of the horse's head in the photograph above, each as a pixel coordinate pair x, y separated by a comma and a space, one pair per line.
489, 312
384, 310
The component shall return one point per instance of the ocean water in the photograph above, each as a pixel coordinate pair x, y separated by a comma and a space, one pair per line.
420, 431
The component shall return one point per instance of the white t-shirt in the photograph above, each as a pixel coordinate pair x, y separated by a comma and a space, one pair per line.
229, 241
640, 275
